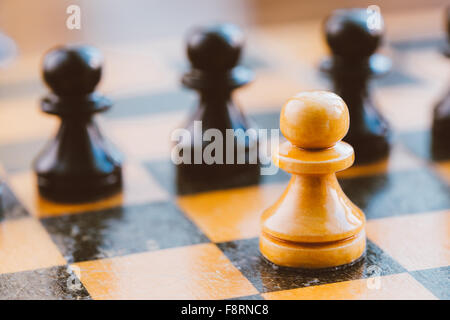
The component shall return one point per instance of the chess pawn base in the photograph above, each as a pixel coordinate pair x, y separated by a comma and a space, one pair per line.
314, 255
78, 165
313, 225
73, 190
191, 177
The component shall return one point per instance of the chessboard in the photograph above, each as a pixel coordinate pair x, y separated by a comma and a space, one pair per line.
151, 243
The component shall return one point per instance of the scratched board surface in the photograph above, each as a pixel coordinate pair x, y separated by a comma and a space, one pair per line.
149, 243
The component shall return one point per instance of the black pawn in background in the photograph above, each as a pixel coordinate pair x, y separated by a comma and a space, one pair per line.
214, 54
441, 115
78, 164
353, 42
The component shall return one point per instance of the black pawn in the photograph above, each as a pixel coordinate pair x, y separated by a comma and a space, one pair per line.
441, 114
353, 42
78, 164
214, 53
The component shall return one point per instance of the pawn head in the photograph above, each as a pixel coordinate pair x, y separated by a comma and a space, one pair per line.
217, 48
72, 70
314, 119
354, 33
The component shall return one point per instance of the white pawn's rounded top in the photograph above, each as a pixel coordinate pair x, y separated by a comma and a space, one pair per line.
314, 119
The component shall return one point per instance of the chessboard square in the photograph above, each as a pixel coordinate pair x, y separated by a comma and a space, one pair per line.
416, 241
164, 173
135, 105
394, 287
267, 277
228, 215
34, 124
398, 193
192, 272
413, 105
56, 283
122, 230
276, 87
139, 187
17, 157
420, 143
24, 245
136, 67
400, 158
302, 54
443, 169
436, 280
10, 207
267, 120
146, 137
398, 77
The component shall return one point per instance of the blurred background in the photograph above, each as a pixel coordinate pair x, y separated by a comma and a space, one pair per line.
38, 25
143, 42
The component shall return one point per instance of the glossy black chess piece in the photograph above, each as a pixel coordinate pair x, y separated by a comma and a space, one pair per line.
78, 164
214, 54
441, 115
353, 42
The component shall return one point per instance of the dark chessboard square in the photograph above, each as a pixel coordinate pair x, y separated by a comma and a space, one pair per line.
10, 207
418, 44
267, 277
122, 230
266, 120
436, 280
420, 143
398, 77
164, 172
254, 62
56, 283
398, 193
156, 102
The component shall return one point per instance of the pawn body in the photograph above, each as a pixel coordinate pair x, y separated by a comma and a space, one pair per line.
313, 224
78, 164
